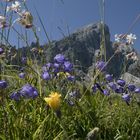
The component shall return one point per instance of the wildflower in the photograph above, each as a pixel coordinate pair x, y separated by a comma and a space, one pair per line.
100, 65
124, 44
108, 77
22, 75
130, 38
53, 100
3, 84
126, 97
132, 56
112, 85
71, 78
106, 92
56, 65
15, 96
59, 58
46, 75
119, 89
26, 19
2, 19
70, 102
14, 7
121, 82
35, 50
28, 91
131, 87
3, 22
68, 66
1, 50
137, 90
117, 37
94, 88
48, 65
74, 94
99, 87
120, 39
24, 60
22, 69
55, 71
71, 97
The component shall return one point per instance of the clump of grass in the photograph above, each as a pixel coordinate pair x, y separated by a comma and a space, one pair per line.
43, 100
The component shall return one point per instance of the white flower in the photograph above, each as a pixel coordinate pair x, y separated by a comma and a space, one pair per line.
2, 22
130, 38
8, 8
14, 7
117, 38
2, 19
132, 56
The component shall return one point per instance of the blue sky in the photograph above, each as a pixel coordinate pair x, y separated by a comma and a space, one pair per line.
73, 14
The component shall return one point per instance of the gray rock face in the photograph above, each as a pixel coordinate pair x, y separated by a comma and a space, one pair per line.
80, 46
131, 79
135, 68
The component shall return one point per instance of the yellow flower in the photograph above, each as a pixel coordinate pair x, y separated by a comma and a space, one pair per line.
53, 100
